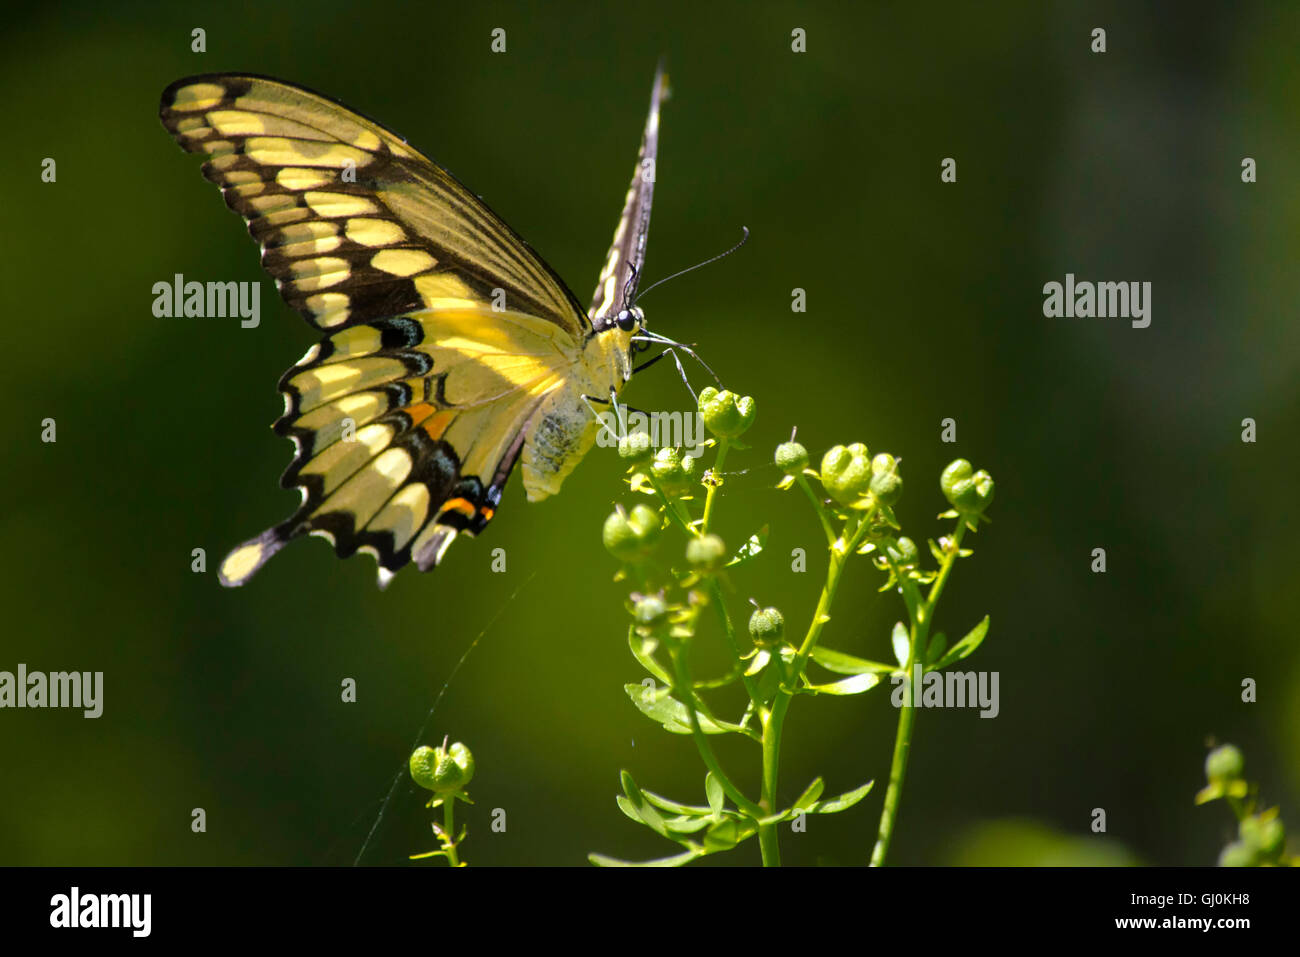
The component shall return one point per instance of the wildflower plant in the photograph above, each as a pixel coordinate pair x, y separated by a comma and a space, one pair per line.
675, 590
1261, 836
445, 771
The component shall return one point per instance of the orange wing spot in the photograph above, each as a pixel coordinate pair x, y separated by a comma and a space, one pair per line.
462, 505
437, 425
488, 513
419, 411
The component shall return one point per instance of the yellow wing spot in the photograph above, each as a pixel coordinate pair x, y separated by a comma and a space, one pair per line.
273, 203
193, 126
236, 123
218, 148
283, 217
295, 178
338, 205
442, 285
198, 96
324, 267
404, 514
366, 140
246, 187
330, 308
374, 232
402, 262
243, 177
242, 561
314, 247
316, 229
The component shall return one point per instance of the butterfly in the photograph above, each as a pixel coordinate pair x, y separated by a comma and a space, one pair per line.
453, 352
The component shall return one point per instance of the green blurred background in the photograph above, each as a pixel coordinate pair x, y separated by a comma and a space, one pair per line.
924, 302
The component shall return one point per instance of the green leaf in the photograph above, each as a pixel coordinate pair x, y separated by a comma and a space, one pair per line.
965, 647
643, 651
855, 685
677, 860
843, 802
726, 834
751, 548
810, 795
902, 644
713, 790
674, 807
687, 824
643, 814
937, 644
661, 706
845, 664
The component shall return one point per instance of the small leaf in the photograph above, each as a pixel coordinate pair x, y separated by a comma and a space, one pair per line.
965, 647
687, 824
761, 658
855, 685
673, 807
902, 644
661, 706
845, 664
726, 834
937, 644
810, 795
843, 802
643, 651
713, 790
751, 548
677, 860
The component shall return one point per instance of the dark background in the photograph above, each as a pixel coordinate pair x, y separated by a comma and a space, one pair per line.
924, 302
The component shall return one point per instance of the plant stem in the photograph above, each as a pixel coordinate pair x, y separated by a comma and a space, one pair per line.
713, 486
449, 837
774, 722
918, 636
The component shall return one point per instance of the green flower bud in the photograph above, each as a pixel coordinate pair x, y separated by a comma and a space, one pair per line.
904, 552
1264, 835
649, 610
674, 472
725, 414
968, 493
442, 770
634, 447
886, 482
631, 537
766, 627
791, 458
706, 553
1225, 763
1237, 854
846, 473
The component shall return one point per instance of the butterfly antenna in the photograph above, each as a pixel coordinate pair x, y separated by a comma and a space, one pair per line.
743, 240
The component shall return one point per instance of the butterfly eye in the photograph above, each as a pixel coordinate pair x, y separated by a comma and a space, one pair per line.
626, 321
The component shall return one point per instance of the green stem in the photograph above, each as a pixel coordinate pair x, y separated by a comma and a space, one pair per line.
449, 835
918, 636
713, 485
774, 722
686, 691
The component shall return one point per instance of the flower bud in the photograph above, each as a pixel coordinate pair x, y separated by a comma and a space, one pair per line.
442, 770
1238, 854
904, 552
631, 537
886, 482
725, 414
766, 627
791, 458
969, 494
674, 472
1225, 763
634, 447
706, 553
649, 610
846, 473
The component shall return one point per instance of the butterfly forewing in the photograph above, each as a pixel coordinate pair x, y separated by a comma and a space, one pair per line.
622, 269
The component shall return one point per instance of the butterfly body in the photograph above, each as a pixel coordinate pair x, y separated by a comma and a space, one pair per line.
453, 352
